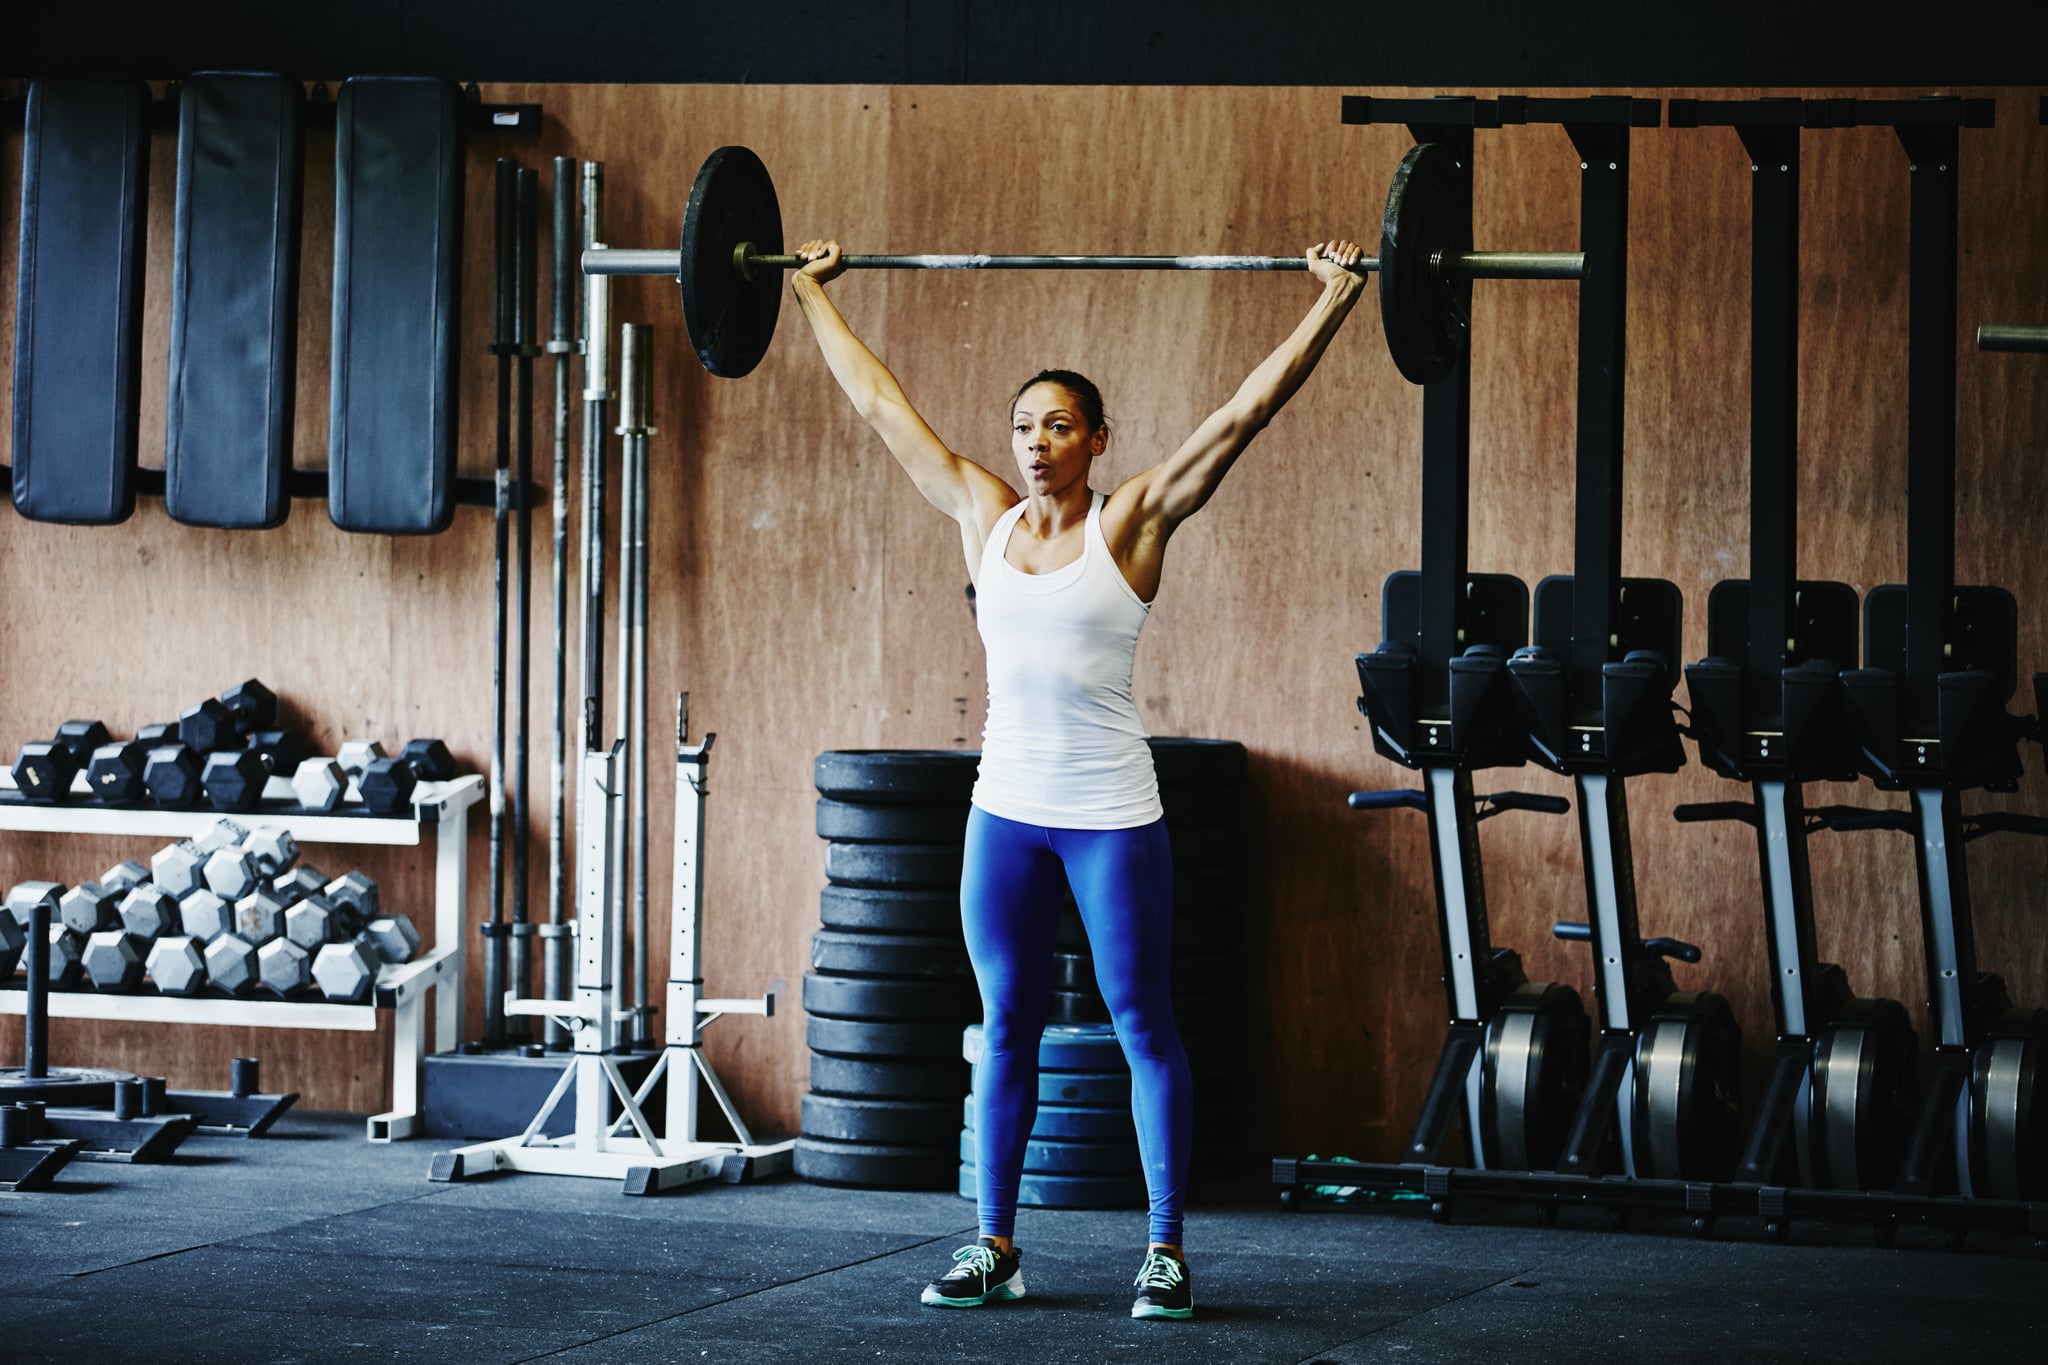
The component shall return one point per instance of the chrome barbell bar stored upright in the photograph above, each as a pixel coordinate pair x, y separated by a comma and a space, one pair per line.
731, 256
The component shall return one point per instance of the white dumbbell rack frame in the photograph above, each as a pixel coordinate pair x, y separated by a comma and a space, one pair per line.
402, 988
599, 1147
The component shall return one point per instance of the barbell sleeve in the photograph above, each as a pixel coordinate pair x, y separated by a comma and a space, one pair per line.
1476, 265
2012, 336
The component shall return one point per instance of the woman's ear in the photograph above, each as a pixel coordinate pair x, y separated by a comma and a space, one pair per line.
1100, 441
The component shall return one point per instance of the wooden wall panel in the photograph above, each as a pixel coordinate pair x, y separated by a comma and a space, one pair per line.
807, 599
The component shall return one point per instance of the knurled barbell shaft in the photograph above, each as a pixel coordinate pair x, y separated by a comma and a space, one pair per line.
1474, 265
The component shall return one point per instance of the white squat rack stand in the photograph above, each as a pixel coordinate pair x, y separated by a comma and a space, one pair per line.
599, 1147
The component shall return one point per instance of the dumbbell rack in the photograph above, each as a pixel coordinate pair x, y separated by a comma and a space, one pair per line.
402, 988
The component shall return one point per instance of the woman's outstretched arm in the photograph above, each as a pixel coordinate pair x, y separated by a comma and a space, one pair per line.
1177, 488
959, 488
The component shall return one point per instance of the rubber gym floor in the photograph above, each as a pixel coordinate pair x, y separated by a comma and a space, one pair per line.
312, 1245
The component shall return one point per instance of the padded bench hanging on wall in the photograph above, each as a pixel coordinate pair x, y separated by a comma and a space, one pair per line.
78, 300
234, 300
398, 181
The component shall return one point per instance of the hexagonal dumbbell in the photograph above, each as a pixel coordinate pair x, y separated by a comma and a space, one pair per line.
114, 772
253, 706
87, 908
149, 911
205, 916
221, 834
393, 937
359, 754
231, 964
67, 957
387, 786
177, 965
114, 960
171, 776
178, 868
285, 967
230, 873
302, 881
13, 942
23, 896
319, 783
233, 779
283, 750
260, 915
317, 920
273, 850
208, 726
430, 759
345, 971
357, 892
43, 772
124, 877
81, 737
154, 736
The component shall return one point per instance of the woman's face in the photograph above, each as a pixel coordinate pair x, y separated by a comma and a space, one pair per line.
1051, 438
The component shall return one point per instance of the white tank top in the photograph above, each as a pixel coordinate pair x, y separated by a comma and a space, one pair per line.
1063, 746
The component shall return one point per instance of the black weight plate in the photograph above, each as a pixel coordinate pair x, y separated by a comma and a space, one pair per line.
878, 822
1204, 850
890, 998
1070, 1191
1062, 1047
911, 775
1206, 927
1192, 976
843, 1118
874, 1166
887, 910
1047, 1157
1074, 1122
731, 319
868, 1039
1097, 1089
896, 866
1201, 803
1424, 325
843, 953
1212, 761
944, 1079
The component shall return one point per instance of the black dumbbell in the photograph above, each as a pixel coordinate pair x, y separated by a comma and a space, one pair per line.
233, 779
208, 726
81, 737
387, 784
253, 706
114, 772
284, 750
163, 732
171, 774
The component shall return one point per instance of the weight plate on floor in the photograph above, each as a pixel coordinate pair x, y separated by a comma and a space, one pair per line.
903, 866
1073, 1122
884, 910
1178, 760
1046, 1157
866, 1039
731, 319
847, 1118
911, 775
841, 952
944, 1079
1189, 1006
1062, 1047
1419, 311
874, 1166
878, 822
1103, 1089
889, 998
1069, 1191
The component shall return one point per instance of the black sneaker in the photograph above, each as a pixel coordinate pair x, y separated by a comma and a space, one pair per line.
1164, 1290
981, 1274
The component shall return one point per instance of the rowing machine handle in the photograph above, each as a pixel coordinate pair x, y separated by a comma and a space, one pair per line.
1699, 812
1862, 817
1532, 801
1388, 800
1654, 947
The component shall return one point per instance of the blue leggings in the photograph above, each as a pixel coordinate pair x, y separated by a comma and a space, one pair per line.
1010, 900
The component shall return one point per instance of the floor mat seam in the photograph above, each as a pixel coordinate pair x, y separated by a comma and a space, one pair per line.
1315, 1356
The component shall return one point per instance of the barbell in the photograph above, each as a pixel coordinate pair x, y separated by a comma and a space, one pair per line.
730, 262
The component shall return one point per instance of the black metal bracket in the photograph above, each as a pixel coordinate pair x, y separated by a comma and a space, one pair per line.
481, 121
310, 485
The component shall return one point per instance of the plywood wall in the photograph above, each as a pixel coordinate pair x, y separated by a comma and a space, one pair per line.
808, 599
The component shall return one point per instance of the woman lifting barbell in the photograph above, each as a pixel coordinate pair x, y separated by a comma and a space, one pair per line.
1064, 579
